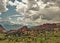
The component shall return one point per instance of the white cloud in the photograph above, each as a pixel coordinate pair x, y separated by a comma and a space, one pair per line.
11, 3
25, 1
3, 4
15, 15
0, 13
32, 15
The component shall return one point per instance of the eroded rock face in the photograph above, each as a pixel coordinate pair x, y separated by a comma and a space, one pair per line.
48, 26
24, 28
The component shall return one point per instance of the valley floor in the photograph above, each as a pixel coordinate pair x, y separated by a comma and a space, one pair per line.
31, 39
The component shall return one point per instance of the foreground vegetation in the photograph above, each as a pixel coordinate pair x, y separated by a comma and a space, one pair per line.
35, 37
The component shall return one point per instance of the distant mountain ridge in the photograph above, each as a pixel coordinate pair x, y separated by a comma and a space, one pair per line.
48, 27
2, 29
25, 28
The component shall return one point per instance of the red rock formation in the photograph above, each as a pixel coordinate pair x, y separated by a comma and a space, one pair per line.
12, 31
47, 26
24, 28
58, 25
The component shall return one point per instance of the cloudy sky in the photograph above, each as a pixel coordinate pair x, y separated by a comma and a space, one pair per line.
29, 12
